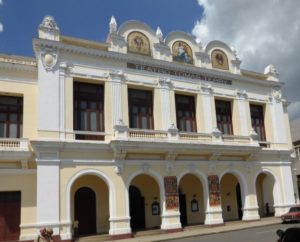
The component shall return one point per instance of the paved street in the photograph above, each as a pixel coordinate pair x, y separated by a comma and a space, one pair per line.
260, 234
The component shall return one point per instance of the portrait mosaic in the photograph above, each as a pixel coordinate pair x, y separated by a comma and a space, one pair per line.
138, 43
219, 60
182, 52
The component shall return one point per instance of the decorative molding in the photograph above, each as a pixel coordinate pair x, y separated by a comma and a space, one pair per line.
48, 29
165, 83
127, 57
276, 93
117, 75
169, 168
241, 94
207, 89
145, 167
49, 57
113, 25
119, 169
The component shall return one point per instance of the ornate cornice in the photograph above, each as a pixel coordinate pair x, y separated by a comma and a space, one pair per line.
148, 61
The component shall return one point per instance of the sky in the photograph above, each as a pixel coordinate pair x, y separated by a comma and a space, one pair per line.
262, 31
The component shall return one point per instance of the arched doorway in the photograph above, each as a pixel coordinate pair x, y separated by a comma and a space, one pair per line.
265, 186
231, 198
144, 203
191, 200
85, 210
137, 208
90, 205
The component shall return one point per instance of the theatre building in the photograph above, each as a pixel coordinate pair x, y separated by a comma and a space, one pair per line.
143, 131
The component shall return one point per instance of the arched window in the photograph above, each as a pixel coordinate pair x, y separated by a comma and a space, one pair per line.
219, 60
138, 43
182, 52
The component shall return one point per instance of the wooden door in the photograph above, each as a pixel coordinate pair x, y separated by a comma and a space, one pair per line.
10, 215
137, 209
182, 208
85, 211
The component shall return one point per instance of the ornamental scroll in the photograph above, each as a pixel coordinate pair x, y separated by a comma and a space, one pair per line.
171, 192
214, 191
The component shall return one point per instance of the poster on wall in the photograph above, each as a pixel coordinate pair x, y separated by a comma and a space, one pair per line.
171, 192
172, 201
214, 191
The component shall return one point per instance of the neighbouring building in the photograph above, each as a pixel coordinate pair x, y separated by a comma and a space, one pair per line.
138, 132
295, 130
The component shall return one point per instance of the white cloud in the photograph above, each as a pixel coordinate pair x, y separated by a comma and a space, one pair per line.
263, 32
1, 2
1, 27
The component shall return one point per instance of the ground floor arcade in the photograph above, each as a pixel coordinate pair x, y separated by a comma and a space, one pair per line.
119, 200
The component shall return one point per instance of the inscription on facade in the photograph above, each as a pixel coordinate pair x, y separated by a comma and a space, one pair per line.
174, 72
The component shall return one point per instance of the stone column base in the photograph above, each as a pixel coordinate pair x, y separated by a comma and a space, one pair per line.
282, 209
170, 222
120, 228
250, 214
214, 216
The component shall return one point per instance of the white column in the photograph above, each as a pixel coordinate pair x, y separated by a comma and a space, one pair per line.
250, 213
242, 103
165, 85
207, 92
48, 195
116, 85
276, 107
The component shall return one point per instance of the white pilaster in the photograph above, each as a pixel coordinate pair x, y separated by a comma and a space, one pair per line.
207, 92
116, 85
278, 129
287, 183
48, 195
165, 85
242, 107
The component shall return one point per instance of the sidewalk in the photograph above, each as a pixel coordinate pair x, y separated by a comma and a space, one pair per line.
196, 230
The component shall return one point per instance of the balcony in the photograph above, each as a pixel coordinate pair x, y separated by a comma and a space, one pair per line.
122, 132
11, 144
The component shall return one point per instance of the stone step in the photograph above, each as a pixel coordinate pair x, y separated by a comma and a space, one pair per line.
93, 238
147, 232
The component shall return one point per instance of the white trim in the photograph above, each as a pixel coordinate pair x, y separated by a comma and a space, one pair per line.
101, 175
116, 231
203, 179
119, 219
277, 191
243, 183
157, 177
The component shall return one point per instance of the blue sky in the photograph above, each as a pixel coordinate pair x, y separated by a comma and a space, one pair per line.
89, 19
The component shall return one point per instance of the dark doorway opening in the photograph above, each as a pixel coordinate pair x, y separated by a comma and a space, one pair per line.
239, 200
10, 212
137, 209
85, 211
182, 208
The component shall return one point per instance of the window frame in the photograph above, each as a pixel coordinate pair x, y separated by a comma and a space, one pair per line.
226, 112
190, 107
7, 110
262, 134
147, 103
80, 96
